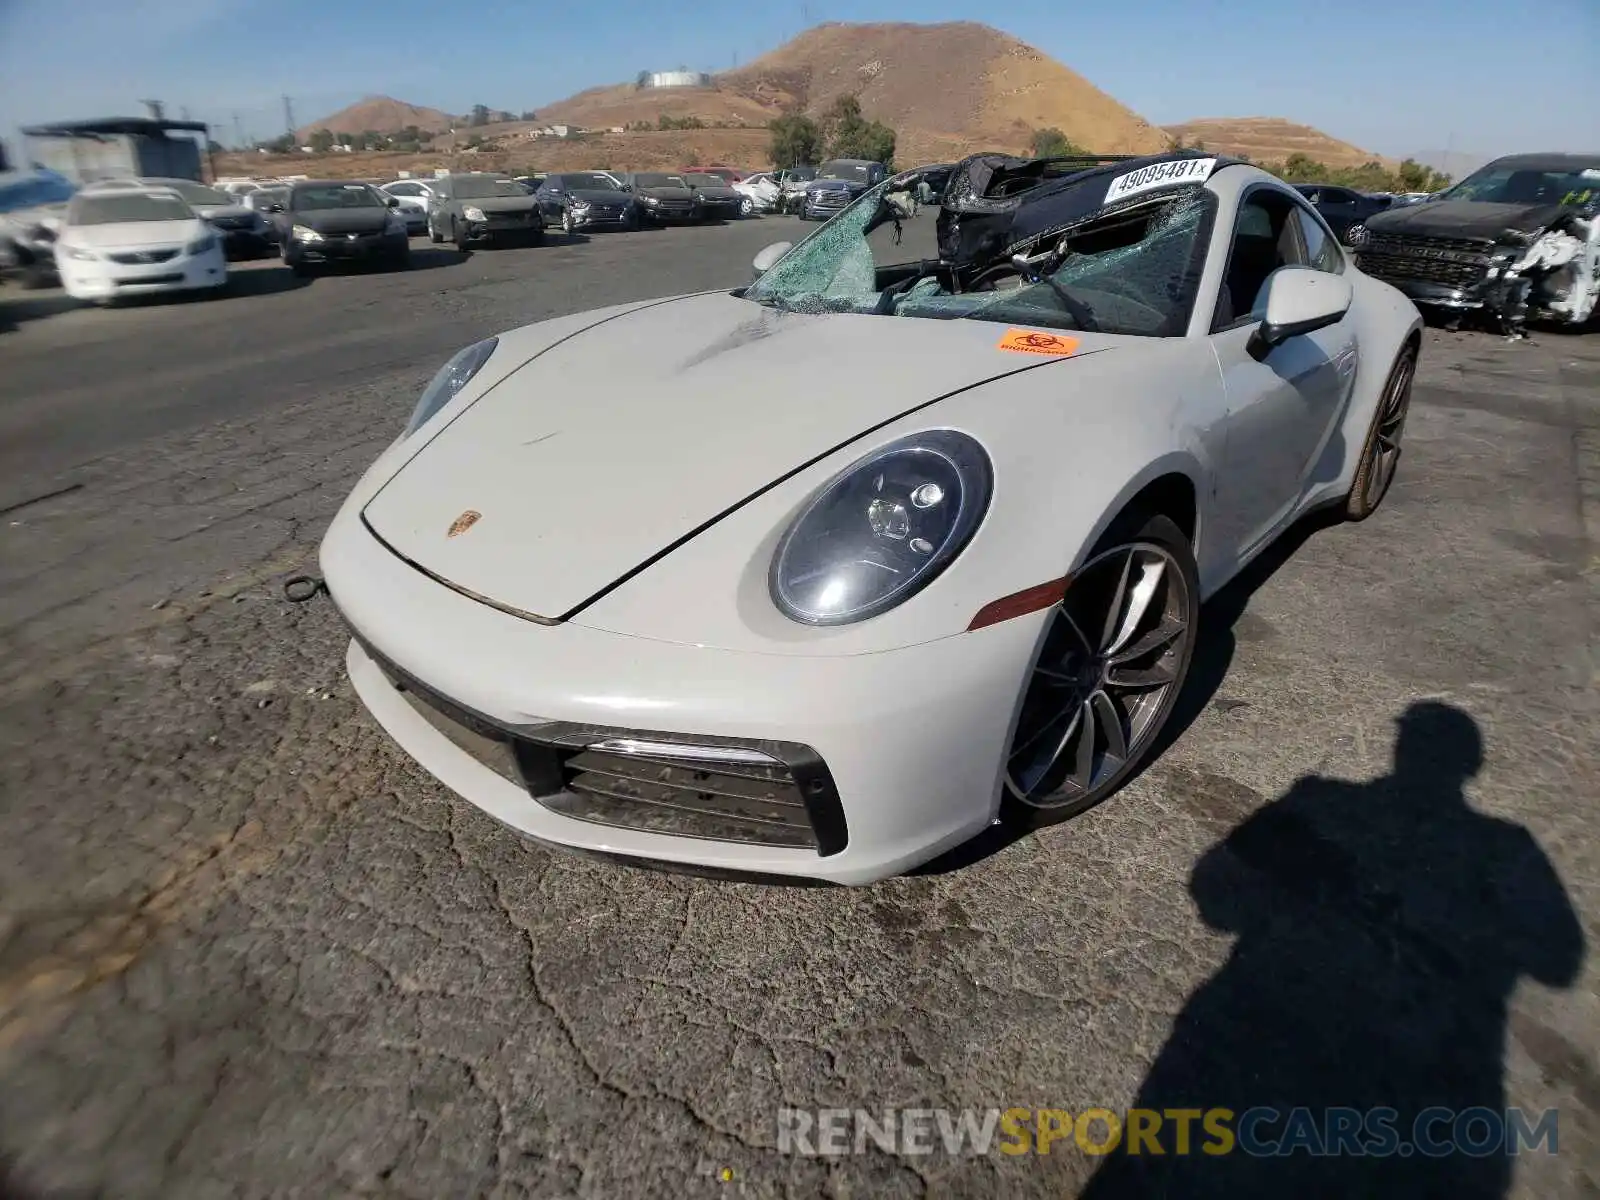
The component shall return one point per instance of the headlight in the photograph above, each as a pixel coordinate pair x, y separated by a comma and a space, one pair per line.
1356, 236
650, 200
452, 377
78, 253
202, 245
882, 530
580, 206
304, 233
473, 214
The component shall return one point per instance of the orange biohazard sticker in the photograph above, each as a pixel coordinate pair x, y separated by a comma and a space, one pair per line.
1031, 341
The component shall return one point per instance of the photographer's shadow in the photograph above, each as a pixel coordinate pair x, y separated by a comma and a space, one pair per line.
1382, 928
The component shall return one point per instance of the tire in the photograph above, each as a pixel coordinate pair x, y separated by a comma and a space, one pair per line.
536, 236
747, 207
567, 227
1380, 454
434, 235
1100, 685
401, 261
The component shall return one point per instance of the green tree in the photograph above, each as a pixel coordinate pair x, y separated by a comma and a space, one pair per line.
1052, 143
321, 141
480, 115
796, 141
846, 133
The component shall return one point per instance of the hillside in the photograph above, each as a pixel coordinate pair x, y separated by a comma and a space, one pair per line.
946, 89
1272, 140
378, 114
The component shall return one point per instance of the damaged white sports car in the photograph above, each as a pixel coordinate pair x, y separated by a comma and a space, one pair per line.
944, 569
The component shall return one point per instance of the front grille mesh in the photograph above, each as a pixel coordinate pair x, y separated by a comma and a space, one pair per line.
1453, 262
138, 258
726, 801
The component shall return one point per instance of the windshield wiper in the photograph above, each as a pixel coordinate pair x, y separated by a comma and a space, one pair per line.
1038, 269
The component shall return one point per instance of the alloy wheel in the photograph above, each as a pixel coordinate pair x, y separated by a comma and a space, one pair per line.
1113, 656
1391, 423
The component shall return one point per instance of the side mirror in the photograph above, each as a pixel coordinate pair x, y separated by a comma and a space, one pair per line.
394, 201
1299, 301
768, 256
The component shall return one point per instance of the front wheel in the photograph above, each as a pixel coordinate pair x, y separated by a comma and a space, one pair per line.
1381, 454
747, 207
458, 234
567, 225
1108, 672
434, 235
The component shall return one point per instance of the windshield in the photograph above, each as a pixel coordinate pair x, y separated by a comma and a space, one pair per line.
197, 193
262, 197
1135, 271
707, 180
482, 187
649, 181
590, 183
855, 171
801, 174
337, 195
1528, 185
31, 191
110, 208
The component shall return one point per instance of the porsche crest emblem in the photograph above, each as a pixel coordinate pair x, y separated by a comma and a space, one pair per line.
464, 522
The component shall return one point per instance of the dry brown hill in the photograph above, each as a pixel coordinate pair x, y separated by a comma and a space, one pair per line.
945, 89
378, 114
1272, 140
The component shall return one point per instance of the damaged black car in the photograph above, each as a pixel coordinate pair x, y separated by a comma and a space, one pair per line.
1515, 241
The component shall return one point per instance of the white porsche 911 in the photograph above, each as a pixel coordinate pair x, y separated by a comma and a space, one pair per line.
943, 568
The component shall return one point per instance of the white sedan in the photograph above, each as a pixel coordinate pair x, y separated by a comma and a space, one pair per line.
944, 569
414, 197
760, 192
135, 241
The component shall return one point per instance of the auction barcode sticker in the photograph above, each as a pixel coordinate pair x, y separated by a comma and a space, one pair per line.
1162, 174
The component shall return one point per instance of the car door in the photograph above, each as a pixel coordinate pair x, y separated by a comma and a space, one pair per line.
1283, 407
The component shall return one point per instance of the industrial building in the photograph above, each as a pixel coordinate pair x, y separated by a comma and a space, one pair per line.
117, 147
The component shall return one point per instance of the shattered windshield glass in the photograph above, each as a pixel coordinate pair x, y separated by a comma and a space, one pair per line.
1132, 271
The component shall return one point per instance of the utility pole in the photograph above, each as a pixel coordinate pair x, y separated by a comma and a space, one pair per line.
238, 132
288, 116
156, 107
184, 112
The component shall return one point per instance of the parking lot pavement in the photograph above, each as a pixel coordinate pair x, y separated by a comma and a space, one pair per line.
247, 948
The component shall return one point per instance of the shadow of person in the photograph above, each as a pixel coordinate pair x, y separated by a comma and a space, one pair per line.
1381, 929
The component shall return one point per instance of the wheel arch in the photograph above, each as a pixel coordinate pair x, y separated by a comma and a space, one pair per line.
1168, 487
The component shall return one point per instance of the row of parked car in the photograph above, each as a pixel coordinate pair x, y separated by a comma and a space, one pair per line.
119, 237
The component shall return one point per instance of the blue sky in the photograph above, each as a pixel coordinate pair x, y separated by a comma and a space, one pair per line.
1395, 76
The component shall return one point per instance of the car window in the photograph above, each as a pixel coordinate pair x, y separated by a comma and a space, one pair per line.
337, 195
1266, 236
406, 189
1322, 252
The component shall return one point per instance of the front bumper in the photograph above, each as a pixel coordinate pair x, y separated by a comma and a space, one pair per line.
353, 247
911, 740
104, 279
506, 225
821, 211
1439, 295
593, 219
666, 216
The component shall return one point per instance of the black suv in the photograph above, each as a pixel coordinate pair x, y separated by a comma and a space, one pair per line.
481, 207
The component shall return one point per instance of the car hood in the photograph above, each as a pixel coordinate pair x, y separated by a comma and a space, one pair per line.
134, 233
837, 185
615, 444
343, 220
1464, 219
667, 193
718, 193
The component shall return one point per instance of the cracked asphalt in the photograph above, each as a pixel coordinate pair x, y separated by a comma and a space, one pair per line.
248, 949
